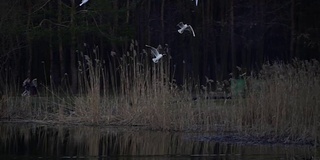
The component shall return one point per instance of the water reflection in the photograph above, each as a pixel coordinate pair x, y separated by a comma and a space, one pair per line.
34, 141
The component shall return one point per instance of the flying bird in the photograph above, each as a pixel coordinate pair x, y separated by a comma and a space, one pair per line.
184, 27
155, 53
30, 88
196, 2
83, 2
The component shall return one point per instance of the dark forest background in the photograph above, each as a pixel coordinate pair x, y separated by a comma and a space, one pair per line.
43, 38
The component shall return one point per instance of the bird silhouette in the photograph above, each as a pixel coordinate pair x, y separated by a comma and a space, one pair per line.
184, 27
30, 87
155, 53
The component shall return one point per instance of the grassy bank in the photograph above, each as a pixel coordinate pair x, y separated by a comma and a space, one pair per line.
282, 101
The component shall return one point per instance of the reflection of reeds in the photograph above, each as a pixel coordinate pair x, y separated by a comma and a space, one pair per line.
282, 101
49, 142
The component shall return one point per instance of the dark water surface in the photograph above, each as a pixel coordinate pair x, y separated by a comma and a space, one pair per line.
36, 141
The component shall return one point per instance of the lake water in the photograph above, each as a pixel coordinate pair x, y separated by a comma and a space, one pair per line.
36, 141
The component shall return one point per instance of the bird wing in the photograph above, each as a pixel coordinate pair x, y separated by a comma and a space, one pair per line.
191, 30
154, 51
34, 82
181, 25
83, 2
26, 82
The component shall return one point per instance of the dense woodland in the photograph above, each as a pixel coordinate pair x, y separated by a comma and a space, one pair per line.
44, 38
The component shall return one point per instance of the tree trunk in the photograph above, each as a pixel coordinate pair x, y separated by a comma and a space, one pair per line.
54, 60
29, 40
128, 12
261, 32
162, 21
232, 47
204, 64
214, 65
74, 79
60, 47
148, 27
292, 39
224, 41
114, 25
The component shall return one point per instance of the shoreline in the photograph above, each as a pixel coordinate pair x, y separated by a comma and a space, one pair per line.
216, 136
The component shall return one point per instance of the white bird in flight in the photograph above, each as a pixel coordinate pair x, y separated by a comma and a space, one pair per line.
83, 2
196, 2
155, 53
185, 27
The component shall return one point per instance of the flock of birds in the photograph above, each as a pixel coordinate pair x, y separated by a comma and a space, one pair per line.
155, 51
31, 86
183, 27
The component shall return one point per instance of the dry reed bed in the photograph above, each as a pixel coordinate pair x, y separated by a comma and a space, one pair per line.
282, 101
